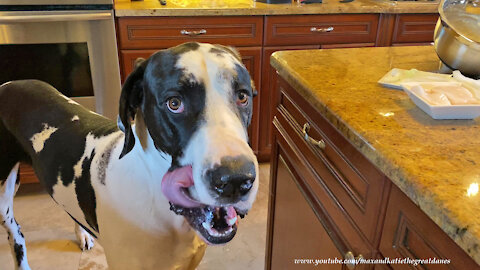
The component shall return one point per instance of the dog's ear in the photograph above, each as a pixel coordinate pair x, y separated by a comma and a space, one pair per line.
232, 51
130, 100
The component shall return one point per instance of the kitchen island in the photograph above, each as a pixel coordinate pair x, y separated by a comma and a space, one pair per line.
376, 176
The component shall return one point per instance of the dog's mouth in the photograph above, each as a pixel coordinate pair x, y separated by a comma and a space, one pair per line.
215, 224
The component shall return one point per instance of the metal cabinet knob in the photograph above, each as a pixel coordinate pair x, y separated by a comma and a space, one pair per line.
322, 30
318, 143
352, 260
193, 33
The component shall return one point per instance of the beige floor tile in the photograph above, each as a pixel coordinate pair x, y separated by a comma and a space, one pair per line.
51, 243
46, 250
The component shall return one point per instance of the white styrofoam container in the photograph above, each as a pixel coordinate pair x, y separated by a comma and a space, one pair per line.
396, 76
443, 111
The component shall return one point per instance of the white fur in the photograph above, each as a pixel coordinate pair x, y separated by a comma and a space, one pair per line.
75, 118
7, 219
85, 240
38, 139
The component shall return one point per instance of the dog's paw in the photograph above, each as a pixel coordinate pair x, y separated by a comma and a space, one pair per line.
85, 240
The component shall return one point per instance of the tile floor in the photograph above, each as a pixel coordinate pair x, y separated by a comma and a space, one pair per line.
51, 242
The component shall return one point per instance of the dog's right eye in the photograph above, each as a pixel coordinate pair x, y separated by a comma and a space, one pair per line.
175, 105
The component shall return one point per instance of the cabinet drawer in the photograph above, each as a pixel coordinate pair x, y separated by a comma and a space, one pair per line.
354, 184
320, 29
414, 28
164, 32
408, 232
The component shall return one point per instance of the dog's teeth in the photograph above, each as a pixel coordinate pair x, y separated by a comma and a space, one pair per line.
232, 221
207, 226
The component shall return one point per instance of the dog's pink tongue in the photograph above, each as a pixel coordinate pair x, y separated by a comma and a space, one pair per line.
172, 184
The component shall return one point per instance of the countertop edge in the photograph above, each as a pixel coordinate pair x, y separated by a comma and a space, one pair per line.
427, 203
386, 7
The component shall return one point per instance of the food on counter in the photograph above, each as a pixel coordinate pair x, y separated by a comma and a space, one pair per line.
451, 93
470, 84
396, 77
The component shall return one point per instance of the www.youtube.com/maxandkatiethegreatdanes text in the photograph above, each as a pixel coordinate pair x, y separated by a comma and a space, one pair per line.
414, 262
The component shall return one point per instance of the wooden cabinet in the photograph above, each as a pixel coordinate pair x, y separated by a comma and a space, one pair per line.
406, 29
414, 29
27, 174
409, 233
323, 188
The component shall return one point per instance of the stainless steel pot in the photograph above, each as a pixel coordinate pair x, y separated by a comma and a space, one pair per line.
455, 44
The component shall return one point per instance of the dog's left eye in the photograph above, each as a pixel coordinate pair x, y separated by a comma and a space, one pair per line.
175, 105
242, 99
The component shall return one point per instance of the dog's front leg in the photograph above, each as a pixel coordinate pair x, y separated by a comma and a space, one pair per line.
8, 188
85, 240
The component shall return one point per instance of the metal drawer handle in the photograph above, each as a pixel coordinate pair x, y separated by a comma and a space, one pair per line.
322, 30
352, 260
193, 33
320, 144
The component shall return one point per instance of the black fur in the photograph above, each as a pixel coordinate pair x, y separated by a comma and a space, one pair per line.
41, 104
155, 80
86, 194
18, 253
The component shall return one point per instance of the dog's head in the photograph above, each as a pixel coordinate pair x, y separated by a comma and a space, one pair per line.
196, 103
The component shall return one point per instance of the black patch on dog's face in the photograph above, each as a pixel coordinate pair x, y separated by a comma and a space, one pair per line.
170, 131
159, 81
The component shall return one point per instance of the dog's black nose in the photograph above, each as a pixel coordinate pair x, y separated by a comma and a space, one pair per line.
233, 178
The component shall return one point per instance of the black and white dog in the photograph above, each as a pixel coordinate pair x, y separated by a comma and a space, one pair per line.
152, 191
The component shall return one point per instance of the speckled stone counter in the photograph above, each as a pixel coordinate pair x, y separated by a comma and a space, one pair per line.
434, 162
250, 7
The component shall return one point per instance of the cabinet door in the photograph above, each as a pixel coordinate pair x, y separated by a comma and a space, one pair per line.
297, 232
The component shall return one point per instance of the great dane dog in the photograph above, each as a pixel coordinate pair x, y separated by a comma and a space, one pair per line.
152, 191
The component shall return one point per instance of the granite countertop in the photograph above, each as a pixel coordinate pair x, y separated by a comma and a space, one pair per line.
250, 7
434, 162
